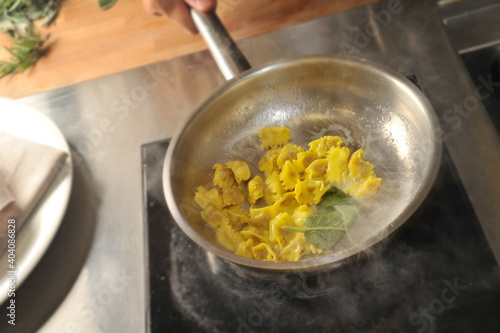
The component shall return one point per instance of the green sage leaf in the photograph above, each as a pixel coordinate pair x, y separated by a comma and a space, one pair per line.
337, 211
335, 197
105, 4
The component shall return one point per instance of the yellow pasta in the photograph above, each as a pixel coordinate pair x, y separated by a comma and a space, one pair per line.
300, 214
309, 192
288, 153
205, 198
213, 216
289, 176
273, 189
232, 196
304, 159
245, 249
291, 181
337, 165
359, 168
223, 176
267, 163
264, 251
228, 237
367, 187
361, 172
287, 203
316, 170
322, 146
273, 137
236, 217
260, 217
240, 170
256, 234
277, 237
255, 189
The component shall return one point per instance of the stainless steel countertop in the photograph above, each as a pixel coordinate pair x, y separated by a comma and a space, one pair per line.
94, 276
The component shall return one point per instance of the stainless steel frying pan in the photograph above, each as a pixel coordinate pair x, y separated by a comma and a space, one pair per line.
370, 106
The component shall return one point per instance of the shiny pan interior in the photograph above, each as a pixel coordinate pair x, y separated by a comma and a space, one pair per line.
369, 106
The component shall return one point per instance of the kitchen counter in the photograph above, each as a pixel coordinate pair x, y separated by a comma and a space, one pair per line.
88, 42
94, 276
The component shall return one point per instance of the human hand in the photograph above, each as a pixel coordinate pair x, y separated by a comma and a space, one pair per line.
177, 10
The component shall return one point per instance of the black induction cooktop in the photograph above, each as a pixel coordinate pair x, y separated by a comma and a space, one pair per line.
483, 66
435, 274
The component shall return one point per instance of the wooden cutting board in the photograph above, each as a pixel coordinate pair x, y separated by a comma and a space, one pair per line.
88, 42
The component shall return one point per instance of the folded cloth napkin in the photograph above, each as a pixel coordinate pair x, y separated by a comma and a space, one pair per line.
8, 210
6, 197
27, 169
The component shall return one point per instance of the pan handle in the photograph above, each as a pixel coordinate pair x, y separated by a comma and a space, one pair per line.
228, 56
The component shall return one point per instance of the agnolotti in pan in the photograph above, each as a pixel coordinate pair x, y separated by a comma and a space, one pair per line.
300, 208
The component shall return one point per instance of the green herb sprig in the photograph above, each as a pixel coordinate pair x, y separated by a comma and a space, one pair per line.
16, 19
24, 52
17, 15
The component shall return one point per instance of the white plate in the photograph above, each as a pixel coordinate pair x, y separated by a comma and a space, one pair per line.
37, 232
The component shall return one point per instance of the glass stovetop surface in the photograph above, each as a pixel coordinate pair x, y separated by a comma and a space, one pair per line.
435, 274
